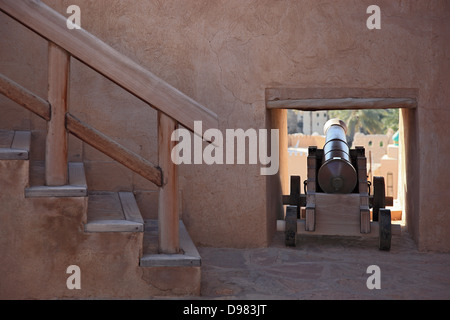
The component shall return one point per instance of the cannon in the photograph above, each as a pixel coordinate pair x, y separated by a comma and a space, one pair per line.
337, 197
336, 174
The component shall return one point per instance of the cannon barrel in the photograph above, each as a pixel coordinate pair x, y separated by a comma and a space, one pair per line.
336, 174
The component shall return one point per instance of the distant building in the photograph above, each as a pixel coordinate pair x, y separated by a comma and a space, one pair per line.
375, 144
310, 122
382, 157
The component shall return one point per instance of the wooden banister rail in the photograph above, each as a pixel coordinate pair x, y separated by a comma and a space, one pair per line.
84, 132
173, 107
110, 63
114, 150
24, 97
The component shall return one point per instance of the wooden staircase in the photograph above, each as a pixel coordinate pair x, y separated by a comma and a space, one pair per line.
50, 220
102, 232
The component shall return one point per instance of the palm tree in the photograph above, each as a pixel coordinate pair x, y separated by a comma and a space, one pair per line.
367, 121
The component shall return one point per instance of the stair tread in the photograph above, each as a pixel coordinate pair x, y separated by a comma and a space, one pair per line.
14, 145
189, 255
77, 186
113, 212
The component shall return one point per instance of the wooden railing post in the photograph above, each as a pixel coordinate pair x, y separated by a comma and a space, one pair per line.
168, 220
56, 169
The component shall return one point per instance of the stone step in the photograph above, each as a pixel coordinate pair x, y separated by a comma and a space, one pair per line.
77, 186
14, 145
188, 256
113, 212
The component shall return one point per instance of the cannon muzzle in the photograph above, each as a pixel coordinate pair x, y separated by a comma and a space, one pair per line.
337, 174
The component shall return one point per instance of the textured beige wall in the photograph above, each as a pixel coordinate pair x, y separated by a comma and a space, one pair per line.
224, 54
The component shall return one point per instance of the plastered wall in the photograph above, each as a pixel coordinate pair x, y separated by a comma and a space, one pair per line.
224, 54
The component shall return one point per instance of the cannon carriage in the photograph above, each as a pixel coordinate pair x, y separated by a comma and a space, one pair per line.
337, 196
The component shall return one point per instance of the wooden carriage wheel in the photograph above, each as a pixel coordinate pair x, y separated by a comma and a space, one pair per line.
290, 231
379, 197
384, 229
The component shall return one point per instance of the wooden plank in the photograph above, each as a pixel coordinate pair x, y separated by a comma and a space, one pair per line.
361, 167
286, 199
365, 219
107, 212
379, 196
295, 188
311, 162
338, 214
364, 199
13, 154
169, 260
310, 212
113, 226
295, 193
16, 145
285, 93
311, 200
290, 226
56, 146
109, 62
311, 186
188, 256
55, 191
130, 208
114, 150
104, 205
310, 219
300, 201
362, 178
77, 186
389, 201
168, 193
363, 187
342, 104
24, 97
311, 172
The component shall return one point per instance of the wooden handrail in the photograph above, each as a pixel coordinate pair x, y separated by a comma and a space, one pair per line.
24, 97
173, 107
84, 132
114, 150
107, 61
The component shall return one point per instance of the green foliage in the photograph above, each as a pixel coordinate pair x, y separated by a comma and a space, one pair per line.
368, 121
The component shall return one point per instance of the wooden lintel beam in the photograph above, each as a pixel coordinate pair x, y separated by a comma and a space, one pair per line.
341, 104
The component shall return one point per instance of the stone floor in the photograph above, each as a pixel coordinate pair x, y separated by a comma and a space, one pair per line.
324, 268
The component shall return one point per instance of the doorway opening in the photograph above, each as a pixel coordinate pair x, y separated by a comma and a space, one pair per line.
317, 105
377, 130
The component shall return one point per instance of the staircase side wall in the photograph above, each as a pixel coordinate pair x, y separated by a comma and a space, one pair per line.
41, 237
